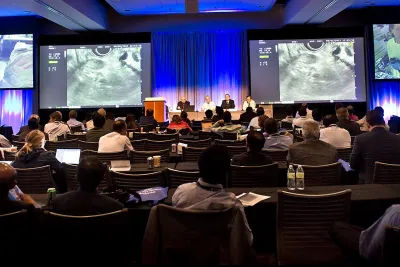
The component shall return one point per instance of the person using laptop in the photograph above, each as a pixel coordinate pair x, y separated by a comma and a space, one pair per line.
116, 141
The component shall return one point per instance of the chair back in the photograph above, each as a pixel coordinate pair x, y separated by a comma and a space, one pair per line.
253, 176
70, 174
303, 225
76, 129
206, 124
76, 136
141, 156
8, 156
230, 142
163, 137
140, 136
53, 146
385, 173
322, 175
229, 136
19, 145
14, 138
276, 155
106, 157
204, 135
344, 153
236, 150
34, 180
192, 153
135, 182
197, 143
148, 127
175, 178
159, 145
83, 145
139, 145
391, 245
286, 125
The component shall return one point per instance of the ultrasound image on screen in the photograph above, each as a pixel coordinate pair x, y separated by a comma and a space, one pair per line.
111, 76
16, 61
319, 70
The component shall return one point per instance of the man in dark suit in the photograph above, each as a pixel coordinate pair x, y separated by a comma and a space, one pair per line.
247, 116
377, 145
228, 103
86, 200
254, 157
312, 151
33, 124
183, 104
352, 127
26, 127
98, 131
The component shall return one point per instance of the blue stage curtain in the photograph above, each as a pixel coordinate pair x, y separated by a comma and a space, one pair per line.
198, 64
387, 95
16, 107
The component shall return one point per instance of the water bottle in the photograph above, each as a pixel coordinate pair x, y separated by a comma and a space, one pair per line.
300, 178
291, 178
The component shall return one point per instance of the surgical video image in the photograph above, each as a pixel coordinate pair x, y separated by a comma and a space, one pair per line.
317, 71
108, 75
387, 51
16, 61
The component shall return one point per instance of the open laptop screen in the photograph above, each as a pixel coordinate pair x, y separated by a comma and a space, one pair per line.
68, 155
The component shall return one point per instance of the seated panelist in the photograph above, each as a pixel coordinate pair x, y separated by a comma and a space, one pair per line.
249, 103
182, 104
228, 103
208, 104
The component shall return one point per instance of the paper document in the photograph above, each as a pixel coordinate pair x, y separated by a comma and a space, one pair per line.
250, 199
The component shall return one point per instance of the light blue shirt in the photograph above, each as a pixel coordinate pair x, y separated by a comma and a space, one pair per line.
277, 141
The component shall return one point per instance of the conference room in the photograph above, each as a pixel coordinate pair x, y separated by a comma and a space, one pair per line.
199, 132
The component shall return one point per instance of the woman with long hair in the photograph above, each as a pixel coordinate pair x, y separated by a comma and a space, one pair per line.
178, 124
33, 155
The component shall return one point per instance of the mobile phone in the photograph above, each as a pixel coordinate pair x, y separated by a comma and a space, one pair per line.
15, 193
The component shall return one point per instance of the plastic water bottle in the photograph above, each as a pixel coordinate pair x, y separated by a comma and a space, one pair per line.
291, 178
300, 178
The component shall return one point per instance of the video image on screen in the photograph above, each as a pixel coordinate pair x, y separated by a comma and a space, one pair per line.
387, 51
16, 61
108, 75
317, 71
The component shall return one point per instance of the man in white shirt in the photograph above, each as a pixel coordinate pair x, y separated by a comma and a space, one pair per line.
334, 135
309, 111
56, 127
299, 122
73, 122
249, 103
116, 141
254, 121
208, 105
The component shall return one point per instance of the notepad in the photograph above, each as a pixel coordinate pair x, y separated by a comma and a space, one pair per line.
251, 199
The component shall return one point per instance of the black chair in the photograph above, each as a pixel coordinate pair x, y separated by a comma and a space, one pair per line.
148, 127
159, 145
139, 145
171, 131
53, 146
385, 173
14, 138
83, 145
344, 153
192, 153
197, 143
322, 175
229, 136
276, 155
253, 176
175, 178
76, 129
230, 142
34, 180
140, 136
303, 224
70, 173
19, 145
391, 246
163, 137
9, 156
204, 135
81, 137
135, 182
286, 125
141, 156
236, 150
106, 157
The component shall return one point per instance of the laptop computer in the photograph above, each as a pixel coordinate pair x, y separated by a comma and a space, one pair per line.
189, 108
68, 155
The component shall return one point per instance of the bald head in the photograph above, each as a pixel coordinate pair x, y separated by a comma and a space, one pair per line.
7, 179
102, 112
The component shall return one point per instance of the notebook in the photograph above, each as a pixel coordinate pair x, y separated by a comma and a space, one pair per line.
68, 155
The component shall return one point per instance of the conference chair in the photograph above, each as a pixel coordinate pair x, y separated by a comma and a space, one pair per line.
286, 125
53, 146
192, 153
204, 135
139, 145
391, 245
230, 142
236, 150
229, 136
83, 145
8, 156
276, 155
14, 138
184, 237
141, 156
34, 180
163, 137
344, 153
159, 145
322, 175
70, 174
140, 136
197, 143
81, 137
19, 145
135, 182
76, 129
175, 178
385, 173
106, 157
101, 239
148, 127
253, 176
206, 125
170, 131
303, 224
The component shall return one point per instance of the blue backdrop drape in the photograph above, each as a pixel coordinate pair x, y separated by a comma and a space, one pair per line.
16, 107
387, 95
198, 64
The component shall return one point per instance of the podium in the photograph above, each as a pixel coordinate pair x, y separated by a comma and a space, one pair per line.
158, 105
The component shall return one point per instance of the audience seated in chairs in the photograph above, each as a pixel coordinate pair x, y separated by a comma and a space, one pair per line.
148, 119
254, 121
225, 125
312, 151
25, 128
178, 124
299, 122
247, 116
7, 182
377, 145
207, 193
94, 134
317, 116
184, 117
344, 122
131, 123
254, 157
352, 116
33, 154
289, 115
33, 124
86, 200
274, 140
209, 115
334, 135
219, 114
56, 126
73, 122
115, 141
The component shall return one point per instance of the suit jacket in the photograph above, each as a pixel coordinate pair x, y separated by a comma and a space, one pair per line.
82, 203
377, 145
22, 135
182, 105
352, 127
229, 105
251, 159
26, 128
312, 152
247, 117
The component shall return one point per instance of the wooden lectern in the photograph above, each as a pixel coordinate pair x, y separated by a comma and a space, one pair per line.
158, 105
